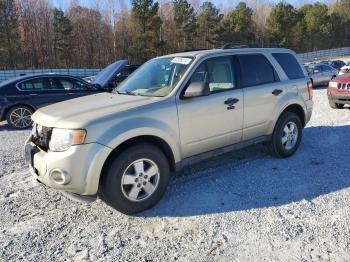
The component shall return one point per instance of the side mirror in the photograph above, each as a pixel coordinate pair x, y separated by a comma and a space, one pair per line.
196, 89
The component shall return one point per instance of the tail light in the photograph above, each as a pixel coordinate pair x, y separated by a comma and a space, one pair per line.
310, 89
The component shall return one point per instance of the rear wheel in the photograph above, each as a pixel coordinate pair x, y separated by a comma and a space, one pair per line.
287, 135
136, 179
19, 117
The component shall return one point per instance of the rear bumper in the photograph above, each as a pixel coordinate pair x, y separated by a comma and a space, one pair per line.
308, 113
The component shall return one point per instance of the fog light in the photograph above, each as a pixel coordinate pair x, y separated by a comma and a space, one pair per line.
60, 177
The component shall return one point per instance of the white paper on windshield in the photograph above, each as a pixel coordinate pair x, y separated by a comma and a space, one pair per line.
181, 60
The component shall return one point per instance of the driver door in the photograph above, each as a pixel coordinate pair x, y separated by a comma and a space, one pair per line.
208, 122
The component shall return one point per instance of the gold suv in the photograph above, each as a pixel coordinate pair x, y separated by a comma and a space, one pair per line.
173, 111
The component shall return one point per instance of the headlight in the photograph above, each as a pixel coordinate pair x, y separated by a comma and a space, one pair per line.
333, 84
63, 139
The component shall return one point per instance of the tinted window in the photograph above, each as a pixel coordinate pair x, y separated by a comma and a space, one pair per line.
256, 70
35, 84
290, 65
72, 84
317, 68
326, 68
217, 72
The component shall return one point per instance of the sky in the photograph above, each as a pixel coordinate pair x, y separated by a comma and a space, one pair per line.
64, 4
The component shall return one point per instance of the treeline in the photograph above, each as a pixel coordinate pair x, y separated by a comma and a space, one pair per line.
35, 34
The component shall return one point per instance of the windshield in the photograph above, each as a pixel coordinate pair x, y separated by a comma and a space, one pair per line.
157, 77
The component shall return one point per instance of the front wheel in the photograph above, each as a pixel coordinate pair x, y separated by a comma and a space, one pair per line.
19, 117
286, 136
136, 179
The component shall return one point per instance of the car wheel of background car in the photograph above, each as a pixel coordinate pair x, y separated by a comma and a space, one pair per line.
136, 179
19, 117
286, 136
335, 105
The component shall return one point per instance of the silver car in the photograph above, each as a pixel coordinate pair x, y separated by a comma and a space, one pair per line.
321, 74
175, 110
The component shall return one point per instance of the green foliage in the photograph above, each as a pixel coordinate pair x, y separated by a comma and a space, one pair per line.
147, 41
281, 22
62, 35
185, 23
237, 26
209, 20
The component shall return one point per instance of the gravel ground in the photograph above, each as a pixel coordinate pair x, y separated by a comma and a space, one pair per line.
243, 206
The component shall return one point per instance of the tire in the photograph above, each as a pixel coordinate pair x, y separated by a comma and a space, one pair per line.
121, 184
279, 148
19, 117
335, 105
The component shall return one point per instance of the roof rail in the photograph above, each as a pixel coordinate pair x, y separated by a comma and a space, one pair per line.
238, 45
195, 49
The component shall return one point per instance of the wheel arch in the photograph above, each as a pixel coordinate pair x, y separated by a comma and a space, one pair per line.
150, 139
7, 109
297, 109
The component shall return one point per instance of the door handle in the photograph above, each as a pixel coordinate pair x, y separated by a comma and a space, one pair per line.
231, 101
276, 92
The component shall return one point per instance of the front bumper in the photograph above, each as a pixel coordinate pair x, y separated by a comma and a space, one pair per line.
83, 163
338, 96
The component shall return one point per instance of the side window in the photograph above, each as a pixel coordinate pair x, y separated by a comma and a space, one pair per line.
256, 70
217, 72
72, 84
318, 69
35, 84
289, 65
326, 68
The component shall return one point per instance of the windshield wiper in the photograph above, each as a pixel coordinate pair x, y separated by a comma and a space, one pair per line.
127, 93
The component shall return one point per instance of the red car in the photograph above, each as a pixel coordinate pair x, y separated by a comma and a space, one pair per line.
339, 91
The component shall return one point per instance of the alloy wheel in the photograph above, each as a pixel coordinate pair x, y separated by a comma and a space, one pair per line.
140, 180
21, 117
289, 136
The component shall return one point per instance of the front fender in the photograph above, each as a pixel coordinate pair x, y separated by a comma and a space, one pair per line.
128, 129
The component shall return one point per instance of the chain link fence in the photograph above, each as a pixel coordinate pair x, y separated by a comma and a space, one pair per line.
325, 54
7, 74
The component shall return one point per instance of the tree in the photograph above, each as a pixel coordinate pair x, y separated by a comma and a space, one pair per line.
238, 26
280, 24
318, 26
185, 23
209, 20
9, 43
62, 36
147, 40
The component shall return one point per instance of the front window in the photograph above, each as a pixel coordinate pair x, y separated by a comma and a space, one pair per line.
157, 77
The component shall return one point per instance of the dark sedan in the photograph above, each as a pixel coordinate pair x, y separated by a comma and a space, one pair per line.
21, 96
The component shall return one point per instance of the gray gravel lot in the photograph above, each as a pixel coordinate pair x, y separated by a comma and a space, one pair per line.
243, 206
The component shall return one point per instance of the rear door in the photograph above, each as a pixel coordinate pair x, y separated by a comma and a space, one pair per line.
262, 89
40, 91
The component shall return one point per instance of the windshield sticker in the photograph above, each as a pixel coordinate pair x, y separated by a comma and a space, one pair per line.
181, 60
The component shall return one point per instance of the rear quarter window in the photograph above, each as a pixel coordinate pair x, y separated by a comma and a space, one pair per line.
289, 65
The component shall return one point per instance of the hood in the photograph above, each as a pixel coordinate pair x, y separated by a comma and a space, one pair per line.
79, 112
344, 78
105, 76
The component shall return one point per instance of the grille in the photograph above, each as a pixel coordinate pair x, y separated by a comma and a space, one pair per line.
42, 137
344, 86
